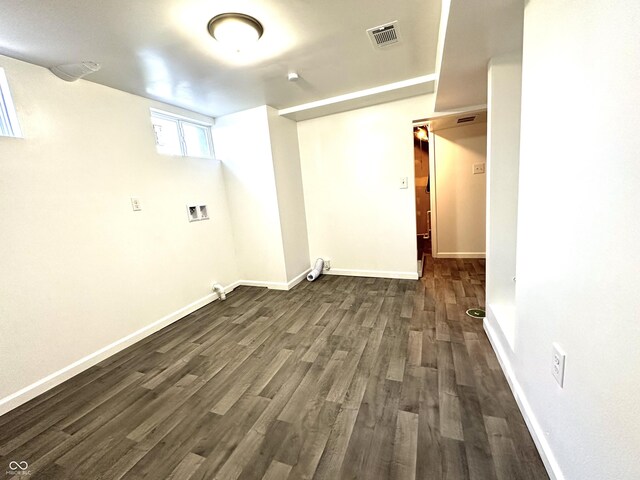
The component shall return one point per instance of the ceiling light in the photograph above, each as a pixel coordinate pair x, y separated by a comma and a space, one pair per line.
293, 77
235, 30
421, 134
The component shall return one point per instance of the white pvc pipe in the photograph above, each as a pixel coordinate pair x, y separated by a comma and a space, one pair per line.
217, 288
317, 270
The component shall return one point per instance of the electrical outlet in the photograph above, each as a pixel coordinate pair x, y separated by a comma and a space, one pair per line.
327, 265
135, 204
478, 168
558, 359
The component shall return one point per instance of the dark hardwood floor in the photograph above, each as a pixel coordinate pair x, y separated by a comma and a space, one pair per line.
342, 378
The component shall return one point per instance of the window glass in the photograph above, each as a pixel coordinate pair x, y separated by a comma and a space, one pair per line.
9, 126
196, 140
167, 136
178, 136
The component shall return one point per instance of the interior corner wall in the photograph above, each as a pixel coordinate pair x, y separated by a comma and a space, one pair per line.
460, 196
288, 177
243, 144
81, 273
578, 235
503, 156
352, 166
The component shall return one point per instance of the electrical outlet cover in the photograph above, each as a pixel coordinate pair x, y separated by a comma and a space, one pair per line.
478, 168
558, 360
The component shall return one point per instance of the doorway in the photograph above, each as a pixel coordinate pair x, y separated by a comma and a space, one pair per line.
422, 193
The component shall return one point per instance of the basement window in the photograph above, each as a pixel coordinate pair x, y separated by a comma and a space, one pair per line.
9, 126
181, 136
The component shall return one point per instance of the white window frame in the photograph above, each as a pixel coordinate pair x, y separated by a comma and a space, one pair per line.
181, 120
9, 126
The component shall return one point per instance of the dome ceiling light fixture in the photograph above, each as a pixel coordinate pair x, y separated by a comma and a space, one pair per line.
235, 30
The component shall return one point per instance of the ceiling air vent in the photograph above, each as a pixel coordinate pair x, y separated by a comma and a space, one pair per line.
466, 119
384, 35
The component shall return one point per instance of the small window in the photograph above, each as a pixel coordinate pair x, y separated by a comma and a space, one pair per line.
9, 126
176, 135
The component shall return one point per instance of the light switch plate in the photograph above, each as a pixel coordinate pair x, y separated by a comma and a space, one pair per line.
404, 182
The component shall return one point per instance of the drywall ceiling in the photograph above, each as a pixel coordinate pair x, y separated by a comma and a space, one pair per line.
161, 49
362, 98
475, 33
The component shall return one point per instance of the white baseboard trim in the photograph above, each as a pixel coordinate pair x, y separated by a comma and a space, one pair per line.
273, 285
537, 433
372, 273
460, 255
296, 280
29, 392
261, 283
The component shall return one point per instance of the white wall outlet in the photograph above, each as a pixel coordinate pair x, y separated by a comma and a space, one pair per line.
478, 168
327, 265
135, 204
558, 361
404, 182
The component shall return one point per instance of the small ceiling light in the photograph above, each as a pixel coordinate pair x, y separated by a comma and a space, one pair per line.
293, 77
421, 134
235, 30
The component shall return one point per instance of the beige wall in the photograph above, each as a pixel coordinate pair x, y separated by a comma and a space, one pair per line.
80, 269
352, 165
459, 194
259, 153
243, 145
578, 235
503, 157
293, 222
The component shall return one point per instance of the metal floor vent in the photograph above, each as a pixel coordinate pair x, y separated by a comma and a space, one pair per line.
384, 35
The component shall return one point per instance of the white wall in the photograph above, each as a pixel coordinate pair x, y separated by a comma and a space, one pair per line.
352, 164
75, 259
286, 162
242, 143
460, 196
503, 156
578, 235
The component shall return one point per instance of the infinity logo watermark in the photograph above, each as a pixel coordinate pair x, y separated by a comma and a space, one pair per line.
18, 468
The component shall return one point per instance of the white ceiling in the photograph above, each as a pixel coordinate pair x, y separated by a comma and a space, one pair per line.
363, 98
160, 49
476, 31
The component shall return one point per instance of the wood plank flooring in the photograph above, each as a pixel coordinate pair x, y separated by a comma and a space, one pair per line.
343, 378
